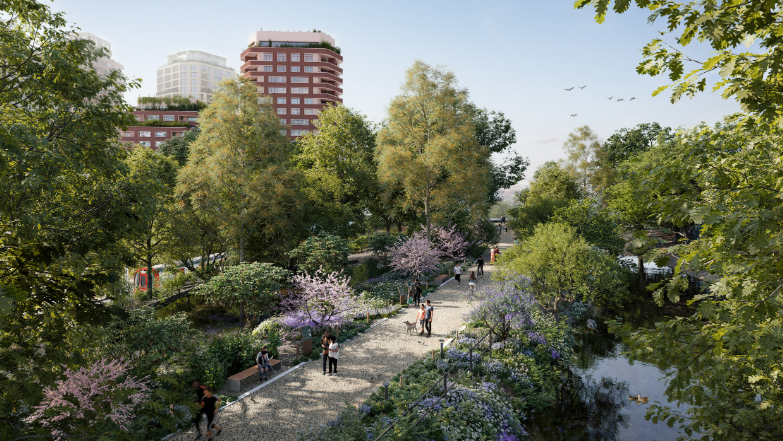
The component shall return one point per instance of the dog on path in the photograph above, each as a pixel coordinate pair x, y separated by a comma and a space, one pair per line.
410, 326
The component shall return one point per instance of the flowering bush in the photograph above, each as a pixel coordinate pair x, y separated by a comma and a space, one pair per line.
89, 397
319, 301
415, 256
451, 243
505, 306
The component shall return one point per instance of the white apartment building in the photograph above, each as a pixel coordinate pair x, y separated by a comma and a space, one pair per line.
192, 74
103, 65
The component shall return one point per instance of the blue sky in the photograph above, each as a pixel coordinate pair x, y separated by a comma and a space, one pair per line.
513, 56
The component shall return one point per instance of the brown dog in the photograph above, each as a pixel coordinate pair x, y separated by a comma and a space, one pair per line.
410, 326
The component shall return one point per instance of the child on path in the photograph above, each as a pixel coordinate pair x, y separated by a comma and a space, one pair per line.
199, 389
334, 353
457, 273
420, 317
209, 406
262, 361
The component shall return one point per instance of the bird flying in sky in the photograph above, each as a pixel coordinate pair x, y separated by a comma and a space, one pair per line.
583, 87
610, 98
632, 98
573, 114
620, 99
568, 90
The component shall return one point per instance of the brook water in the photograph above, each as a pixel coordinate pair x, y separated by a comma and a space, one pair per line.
597, 406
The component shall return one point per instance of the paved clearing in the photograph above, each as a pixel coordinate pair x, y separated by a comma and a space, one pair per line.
305, 398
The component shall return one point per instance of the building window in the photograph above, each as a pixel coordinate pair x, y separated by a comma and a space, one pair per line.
281, 101
167, 78
300, 90
308, 68
192, 89
193, 83
281, 68
294, 111
127, 134
193, 67
267, 57
300, 122
216, 79
160, 134
183, 89
168, 70
280, 57
175, 76
277, 90
298, 132
308, 57
300, 80
145, 134
282, 121
277, 79
153, 117
294, 68
204, 76
168, 117
294, 100
311, 112
295, 57
193, 75
267, 68
139, 117
281, 111
192, 118
144, 143
282, 132
218, 72
205, 69
176, 83
309, 101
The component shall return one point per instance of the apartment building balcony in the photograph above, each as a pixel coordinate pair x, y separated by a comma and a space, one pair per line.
327, 77
326, 96
326, 87
253, 53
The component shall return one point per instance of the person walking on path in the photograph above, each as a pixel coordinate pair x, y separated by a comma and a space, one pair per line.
420, 317
199, 389
417, 296
457, 273
262, 361
334, 354
480, 266
491, 255
428, 318
210, 405
472, 282
325, 346
497, 253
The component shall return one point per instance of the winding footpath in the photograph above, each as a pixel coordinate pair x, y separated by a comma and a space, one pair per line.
304, 398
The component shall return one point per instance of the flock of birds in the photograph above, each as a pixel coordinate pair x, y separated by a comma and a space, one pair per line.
610, 98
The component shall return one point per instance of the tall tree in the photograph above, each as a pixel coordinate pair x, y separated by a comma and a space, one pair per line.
554, 181
238, 169
623, 145
63, 211
153, 176
754, 79
495, 133
724, 360
552, 188
339, 169
582, 147
179, 147
429, 146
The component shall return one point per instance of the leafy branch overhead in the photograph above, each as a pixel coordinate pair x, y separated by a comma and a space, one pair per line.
730, 28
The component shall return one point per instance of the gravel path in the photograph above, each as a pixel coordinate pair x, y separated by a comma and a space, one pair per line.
305, 398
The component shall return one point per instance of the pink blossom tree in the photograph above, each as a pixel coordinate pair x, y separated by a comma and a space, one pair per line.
319, 301
415, 255
89, 397
451, 243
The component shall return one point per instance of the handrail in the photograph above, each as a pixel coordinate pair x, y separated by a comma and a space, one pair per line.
445, 388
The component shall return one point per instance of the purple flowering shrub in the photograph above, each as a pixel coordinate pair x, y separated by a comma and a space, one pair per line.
504, 307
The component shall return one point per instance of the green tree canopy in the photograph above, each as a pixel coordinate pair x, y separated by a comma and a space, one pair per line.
323, 251
254, 286
339, 168
725, 360
564, 267
428, 145
554, 181
178, 148
238, 171
594, 223
623, 145
582, 148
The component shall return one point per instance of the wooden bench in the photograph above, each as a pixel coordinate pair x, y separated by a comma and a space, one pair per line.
440, 279
234, 382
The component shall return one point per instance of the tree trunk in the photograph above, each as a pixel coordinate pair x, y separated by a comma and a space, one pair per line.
427, 205
242, 242
640, 261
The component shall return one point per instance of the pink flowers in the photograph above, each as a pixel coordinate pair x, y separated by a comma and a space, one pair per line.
319, 301
89, 396
416, 255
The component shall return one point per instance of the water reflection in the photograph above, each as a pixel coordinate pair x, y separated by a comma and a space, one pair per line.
595, 403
